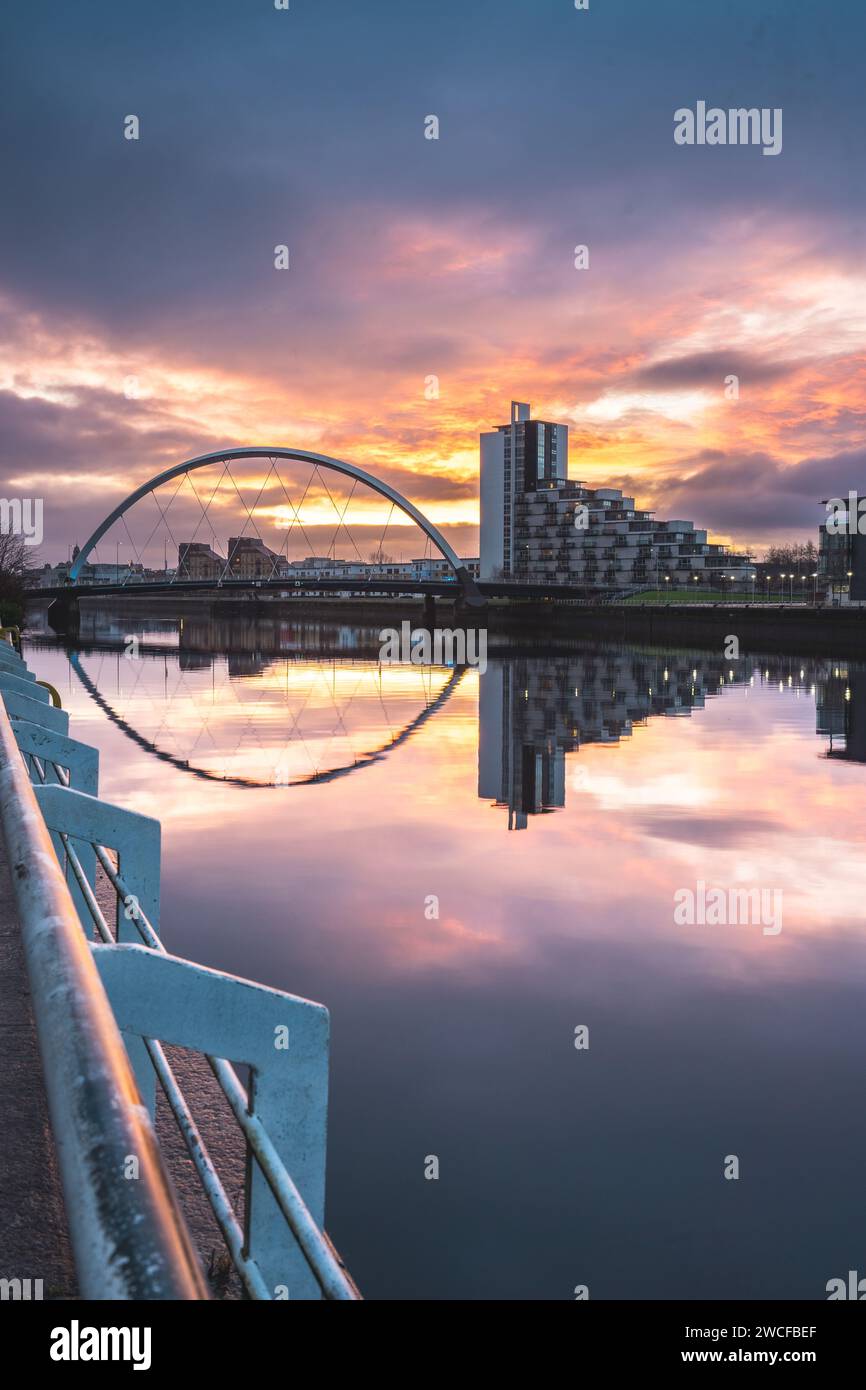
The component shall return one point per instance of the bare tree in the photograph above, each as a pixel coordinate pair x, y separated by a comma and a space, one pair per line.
793, 556
17, 568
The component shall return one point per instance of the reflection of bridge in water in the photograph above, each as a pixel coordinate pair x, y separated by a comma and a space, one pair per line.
301, 711
533, 711
284, 691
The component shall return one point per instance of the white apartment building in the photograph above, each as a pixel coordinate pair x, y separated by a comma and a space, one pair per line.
539, 526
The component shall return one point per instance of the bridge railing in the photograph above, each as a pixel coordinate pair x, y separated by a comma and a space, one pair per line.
59, 831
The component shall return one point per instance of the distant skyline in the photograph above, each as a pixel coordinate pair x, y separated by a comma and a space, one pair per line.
142, 320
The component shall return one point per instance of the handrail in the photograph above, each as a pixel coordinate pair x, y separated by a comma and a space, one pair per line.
129, 1238
324, 1264
38, 762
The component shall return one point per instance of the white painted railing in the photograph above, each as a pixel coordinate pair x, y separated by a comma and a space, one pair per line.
88, 996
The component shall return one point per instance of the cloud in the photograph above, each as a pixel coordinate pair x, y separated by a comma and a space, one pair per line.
413, 258
751, 496
712, 832
711, 369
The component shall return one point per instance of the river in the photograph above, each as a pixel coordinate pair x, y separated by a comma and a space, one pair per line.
477, 874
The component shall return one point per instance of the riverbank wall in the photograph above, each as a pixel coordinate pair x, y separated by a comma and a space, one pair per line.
760, 627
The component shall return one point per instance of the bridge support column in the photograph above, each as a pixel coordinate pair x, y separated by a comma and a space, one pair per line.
64, 615
469, 612
429, 612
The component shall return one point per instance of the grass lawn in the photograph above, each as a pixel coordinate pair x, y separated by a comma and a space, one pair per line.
700, 595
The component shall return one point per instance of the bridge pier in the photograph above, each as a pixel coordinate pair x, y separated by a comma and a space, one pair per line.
64, 615
429, 612
470, 612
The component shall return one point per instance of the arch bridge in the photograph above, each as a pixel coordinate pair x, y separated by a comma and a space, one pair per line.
280, 577
449, 579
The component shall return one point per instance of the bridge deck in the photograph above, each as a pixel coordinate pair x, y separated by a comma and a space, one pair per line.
395, 588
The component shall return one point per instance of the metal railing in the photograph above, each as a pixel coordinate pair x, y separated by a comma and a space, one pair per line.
56, 833
129, 1238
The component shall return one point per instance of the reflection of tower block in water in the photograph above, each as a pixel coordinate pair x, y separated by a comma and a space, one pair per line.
542, 779
520, 772
534, 711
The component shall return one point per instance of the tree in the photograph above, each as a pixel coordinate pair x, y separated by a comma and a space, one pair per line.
795, 556
17, 566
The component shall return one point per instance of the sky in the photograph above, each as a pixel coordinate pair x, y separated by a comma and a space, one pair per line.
143, 321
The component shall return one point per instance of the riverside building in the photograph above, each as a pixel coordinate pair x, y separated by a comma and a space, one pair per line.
540, 526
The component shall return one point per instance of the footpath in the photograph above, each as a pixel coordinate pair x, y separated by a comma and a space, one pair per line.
34, 1240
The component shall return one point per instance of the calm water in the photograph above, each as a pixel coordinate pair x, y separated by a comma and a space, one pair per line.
312, 805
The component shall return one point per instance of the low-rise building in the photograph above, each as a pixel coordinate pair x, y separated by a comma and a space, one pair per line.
250, 558
197, 560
